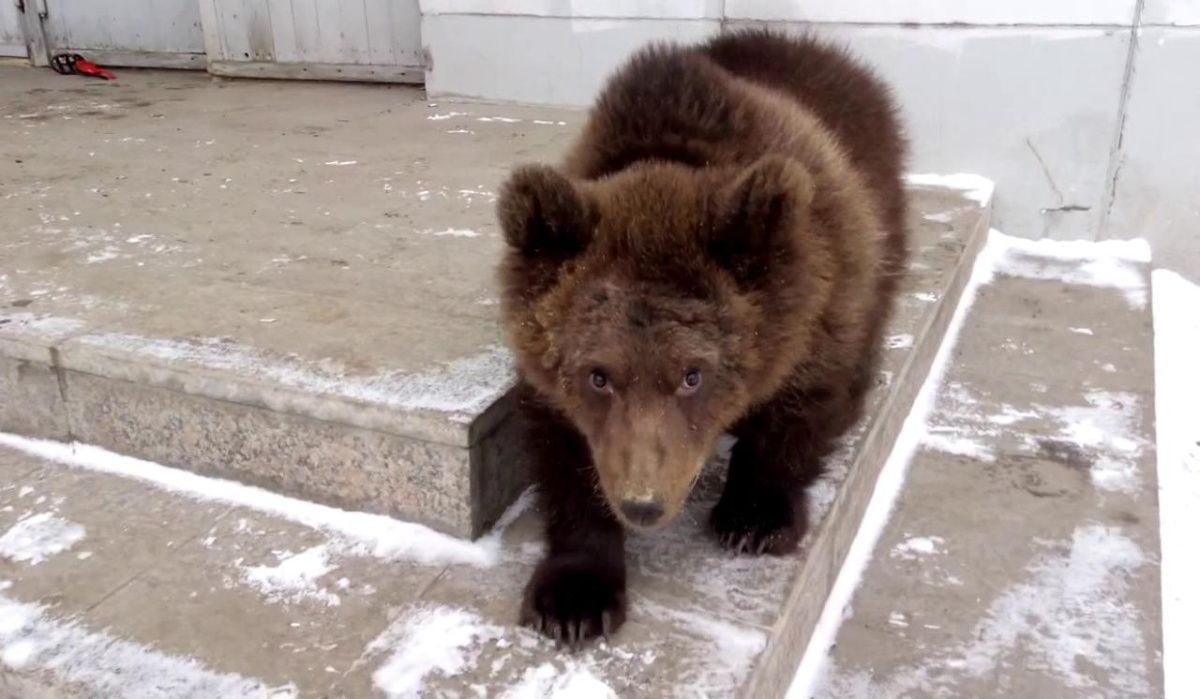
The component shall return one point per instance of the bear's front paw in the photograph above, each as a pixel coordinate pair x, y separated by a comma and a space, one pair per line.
770, 524
572, 598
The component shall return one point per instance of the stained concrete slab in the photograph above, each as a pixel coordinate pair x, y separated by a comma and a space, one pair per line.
1022, 555
291, 285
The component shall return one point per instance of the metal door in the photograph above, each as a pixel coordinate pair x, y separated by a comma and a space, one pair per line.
12, 34
149, 33
376, 40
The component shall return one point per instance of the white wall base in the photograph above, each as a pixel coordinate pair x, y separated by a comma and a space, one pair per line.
537, 60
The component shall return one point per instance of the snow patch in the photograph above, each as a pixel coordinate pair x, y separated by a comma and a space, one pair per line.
545, 680
1100, 436
38, 537
428, 640
295, 577
1105, 429
108, 666
733, 648
1111, 264
957, 444
918, 546
975, 187
359, 532
1073, 605
108, 253
456, 233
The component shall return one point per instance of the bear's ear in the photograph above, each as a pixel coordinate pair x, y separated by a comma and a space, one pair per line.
543, 214
761, 211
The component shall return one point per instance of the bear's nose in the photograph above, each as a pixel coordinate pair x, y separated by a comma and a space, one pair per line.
642, 511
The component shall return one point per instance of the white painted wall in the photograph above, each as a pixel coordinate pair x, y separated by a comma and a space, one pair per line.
1172, 12
538, 60
968, 98
977, 12
611, 9
1081, 110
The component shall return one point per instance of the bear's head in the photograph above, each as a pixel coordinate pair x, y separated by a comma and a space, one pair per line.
655, 307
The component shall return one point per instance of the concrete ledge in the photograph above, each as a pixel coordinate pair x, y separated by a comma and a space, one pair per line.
328, 462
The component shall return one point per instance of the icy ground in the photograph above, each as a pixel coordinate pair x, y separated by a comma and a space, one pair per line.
31, 637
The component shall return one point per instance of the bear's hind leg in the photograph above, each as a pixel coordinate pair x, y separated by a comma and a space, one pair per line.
778, 454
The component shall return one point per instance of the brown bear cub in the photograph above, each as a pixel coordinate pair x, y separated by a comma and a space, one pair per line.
716, 255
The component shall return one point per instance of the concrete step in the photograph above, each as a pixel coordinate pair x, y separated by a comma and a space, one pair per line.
1022, 558
286, 284
301, 298
124, 578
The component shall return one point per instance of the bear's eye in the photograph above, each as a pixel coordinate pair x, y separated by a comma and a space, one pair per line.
599, 380
691, 380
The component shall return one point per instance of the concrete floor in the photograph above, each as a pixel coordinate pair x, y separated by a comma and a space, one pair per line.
289, 285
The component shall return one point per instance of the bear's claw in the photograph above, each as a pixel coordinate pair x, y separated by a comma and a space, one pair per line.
573, 599
770, 527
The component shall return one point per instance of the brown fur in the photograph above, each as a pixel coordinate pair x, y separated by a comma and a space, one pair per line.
732, 212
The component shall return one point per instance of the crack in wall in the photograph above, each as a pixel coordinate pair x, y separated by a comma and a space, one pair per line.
1116, 157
